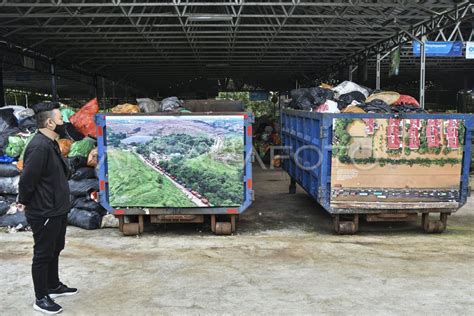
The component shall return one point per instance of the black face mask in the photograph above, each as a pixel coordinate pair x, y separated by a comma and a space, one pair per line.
60, 130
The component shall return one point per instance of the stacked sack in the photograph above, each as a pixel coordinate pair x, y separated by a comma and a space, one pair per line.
16, 125
78, 145
146, 105
349, 97
81, 153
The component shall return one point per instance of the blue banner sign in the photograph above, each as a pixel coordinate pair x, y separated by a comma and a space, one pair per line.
259, 96
439, 49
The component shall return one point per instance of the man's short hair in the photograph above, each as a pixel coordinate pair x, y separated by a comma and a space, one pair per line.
44, 111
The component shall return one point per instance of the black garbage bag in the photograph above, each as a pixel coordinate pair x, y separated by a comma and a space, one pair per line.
406, 108
9, 185
7, 119
28, 124
84, 219
297, 93
13, 220
304, 103
301, 99
376, 106
352, 96
316, 95
10, 198
369, 90
8, 170
73, 133
4, 207
320, 95
83, 187
85, 203
84, 173
341, 105
76, 163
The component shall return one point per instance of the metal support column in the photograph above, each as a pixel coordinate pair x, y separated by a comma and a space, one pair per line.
3, 101
351, 71
96, 89
422, 71
113, 102
377, 82
103, 94
54, 87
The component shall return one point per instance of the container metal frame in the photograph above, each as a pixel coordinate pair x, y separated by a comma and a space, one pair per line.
179, 212
300, 128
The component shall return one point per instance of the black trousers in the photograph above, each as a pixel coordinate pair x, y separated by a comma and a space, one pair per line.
49, 236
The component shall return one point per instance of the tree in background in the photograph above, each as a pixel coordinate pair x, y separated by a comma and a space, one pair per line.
258, 108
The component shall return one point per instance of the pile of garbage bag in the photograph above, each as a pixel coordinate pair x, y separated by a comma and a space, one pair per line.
78, 145
146, 105
265, 138
349, 97
18, 126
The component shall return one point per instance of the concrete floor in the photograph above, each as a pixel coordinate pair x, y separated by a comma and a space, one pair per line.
283, 260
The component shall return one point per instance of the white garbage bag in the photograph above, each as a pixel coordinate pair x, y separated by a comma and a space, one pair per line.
348, 87
148, 105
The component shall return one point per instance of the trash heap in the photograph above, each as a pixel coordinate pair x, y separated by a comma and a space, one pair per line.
266, 136
349, 97
17, 128
78, 146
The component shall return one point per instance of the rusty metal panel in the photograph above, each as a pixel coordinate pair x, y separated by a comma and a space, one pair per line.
391, 217
156, 219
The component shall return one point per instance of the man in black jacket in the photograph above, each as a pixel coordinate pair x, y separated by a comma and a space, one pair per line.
44, 193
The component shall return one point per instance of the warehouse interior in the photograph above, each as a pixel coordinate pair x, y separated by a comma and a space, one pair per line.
122, 48
293, 244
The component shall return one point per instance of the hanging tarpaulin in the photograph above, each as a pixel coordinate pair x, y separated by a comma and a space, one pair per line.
469, 50
439, 49
394, 63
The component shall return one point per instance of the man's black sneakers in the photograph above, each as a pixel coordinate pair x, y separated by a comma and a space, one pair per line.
47, 305
62, 290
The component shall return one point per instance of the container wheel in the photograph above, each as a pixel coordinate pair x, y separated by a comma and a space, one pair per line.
292, 187
233, 223
346, 227
434, 226
121, 221
131, 229
224, 228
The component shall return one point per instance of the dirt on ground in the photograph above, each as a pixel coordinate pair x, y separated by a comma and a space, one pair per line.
284, 259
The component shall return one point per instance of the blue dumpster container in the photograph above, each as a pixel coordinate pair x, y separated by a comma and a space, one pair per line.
176, 167
383, 166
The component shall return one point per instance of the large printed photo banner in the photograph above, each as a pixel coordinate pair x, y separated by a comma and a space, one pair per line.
397, 160
175, 161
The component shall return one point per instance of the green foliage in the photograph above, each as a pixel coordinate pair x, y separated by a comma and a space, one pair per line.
114, 139
220, 182
407, 151
397, 151
427, 162
182, 144
462, 133
258, 108
134, 183
341, 140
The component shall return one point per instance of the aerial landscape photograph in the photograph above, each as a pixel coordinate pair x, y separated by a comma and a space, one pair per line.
175, 161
